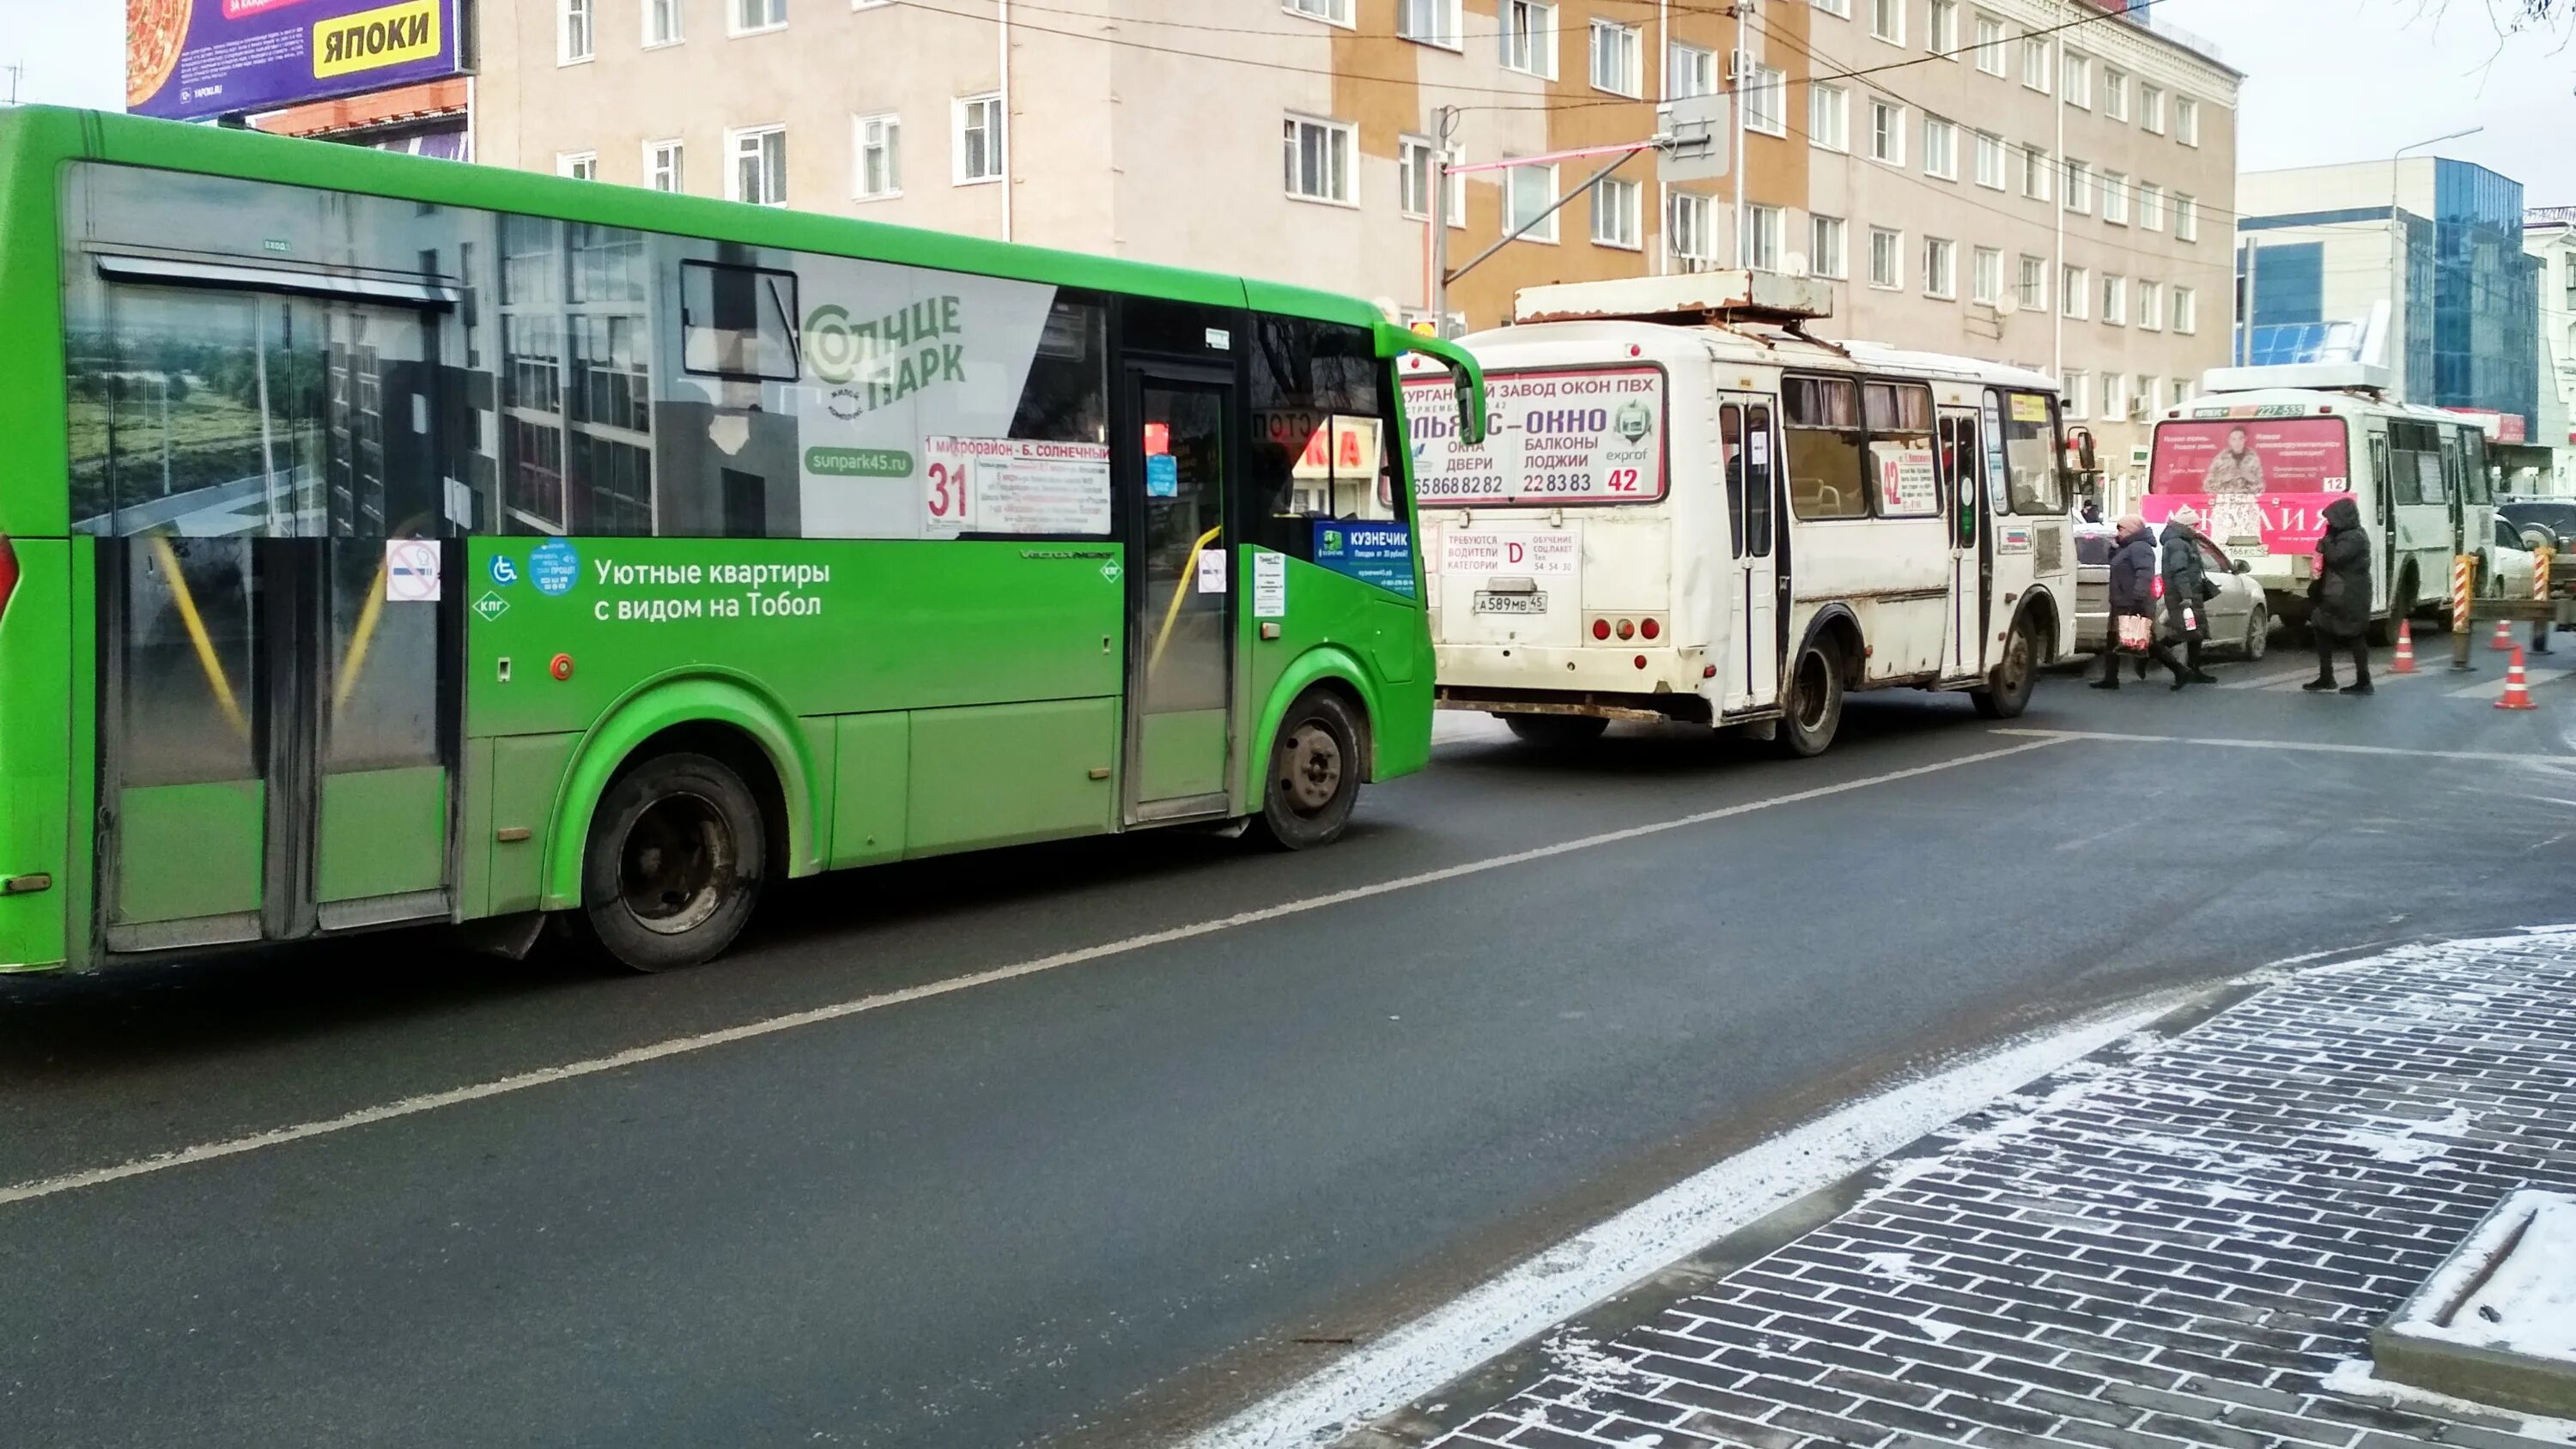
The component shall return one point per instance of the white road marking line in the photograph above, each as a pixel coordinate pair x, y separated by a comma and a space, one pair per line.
2267, 681
1439, 1346
2483, 756
32, 1190
2494, 688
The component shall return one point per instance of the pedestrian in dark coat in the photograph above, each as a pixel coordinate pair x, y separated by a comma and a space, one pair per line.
2132, 596
2339, 599
2187, 589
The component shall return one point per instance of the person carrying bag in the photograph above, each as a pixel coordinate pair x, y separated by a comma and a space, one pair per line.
2132, 606
2188, 590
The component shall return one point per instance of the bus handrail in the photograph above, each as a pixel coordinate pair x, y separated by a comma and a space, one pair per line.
1180, 586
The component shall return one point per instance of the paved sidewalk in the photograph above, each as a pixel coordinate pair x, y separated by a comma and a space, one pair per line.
2186, 1243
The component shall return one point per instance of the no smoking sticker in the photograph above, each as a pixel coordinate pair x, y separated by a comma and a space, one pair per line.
411, 571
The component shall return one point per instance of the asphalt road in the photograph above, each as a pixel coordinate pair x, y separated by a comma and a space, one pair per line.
1104, 1200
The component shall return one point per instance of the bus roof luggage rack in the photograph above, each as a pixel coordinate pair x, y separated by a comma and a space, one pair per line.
2351, 377
1689, 299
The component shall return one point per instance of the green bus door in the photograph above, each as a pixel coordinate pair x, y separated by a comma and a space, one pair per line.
1180, 642
278, 713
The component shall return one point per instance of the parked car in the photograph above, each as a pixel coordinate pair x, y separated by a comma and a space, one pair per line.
2510, 565
2540, 523
2239, 619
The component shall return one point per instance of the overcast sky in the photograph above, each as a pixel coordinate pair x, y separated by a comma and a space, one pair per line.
2326, 80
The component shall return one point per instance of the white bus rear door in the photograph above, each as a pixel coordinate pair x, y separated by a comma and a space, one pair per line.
1749, 660
1971, 544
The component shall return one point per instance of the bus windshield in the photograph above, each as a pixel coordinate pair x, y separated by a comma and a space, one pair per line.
1557, 435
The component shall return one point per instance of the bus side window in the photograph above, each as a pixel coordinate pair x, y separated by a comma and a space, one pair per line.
1757, 481
2379, 469
1730, 433
1826, 448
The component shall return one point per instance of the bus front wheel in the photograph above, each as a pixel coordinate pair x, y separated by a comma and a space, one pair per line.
674, 863
2008, 689
1813, 710
1316, 761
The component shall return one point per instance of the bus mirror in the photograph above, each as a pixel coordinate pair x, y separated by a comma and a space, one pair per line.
1463, 371
2085, 461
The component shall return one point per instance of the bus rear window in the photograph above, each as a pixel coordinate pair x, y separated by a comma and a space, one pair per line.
2251, 455
1586, 435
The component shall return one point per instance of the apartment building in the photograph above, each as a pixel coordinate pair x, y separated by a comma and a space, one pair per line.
2048, 182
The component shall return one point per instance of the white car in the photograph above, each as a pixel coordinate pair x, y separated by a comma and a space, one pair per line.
2239, 619
2510, 566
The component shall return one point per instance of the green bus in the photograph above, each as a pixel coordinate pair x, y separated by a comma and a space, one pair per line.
392, 541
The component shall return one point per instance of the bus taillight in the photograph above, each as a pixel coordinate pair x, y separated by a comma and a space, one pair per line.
1650, 629
1627, 630
8, 572
1600, 628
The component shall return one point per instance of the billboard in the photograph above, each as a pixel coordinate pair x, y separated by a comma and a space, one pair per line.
192, 59
2252, 478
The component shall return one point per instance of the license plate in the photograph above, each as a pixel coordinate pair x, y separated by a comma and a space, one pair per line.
1511, 603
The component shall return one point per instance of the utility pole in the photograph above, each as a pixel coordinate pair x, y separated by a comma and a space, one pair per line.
16, 73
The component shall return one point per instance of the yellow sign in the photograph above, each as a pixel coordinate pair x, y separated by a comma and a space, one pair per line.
374, 39
2029, 407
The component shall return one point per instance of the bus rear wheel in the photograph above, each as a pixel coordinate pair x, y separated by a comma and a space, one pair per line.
2401, 607
1813, 710
1555, 731
2008, 689
674, 863
1313, 782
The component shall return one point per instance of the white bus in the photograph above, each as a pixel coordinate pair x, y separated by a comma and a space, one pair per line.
2263, 450
1689, 510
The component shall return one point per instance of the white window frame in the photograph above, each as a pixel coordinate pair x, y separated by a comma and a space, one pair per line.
2075, 292
676, 11
1940, 148
2187, 121
2151, 206
1986, 276
2075, 80
1695, 239
989, 106
1829, 118
1993, 147
1886, 131
2115, 94
1990, 45
1341, 158
1886, 259
1407, 149
1766, 102
734, 13
1331, 12
1829, 247
2038, 175
1445, 30
2115, 198
2075, 395
577, 165
1941, 268
576, 31
2184, 390
1834, 7
1623, 47
2150, 312
1621, 204
1941, 28
740, 143
1765, 230
1887, 21
2186, 311
2079, 186
1691, 70
2115, 302
1527, 29
2030, 287
2035, 60
1514, 178
891, 125
2151, 108
2186, 217
670, 154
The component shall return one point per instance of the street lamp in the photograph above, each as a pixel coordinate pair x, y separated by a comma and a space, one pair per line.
2397, 301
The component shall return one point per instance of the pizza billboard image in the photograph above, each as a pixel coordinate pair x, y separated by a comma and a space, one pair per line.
189, 60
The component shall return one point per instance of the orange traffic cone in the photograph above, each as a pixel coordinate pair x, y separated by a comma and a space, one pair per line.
2517, 692
2404, 663
2504, 637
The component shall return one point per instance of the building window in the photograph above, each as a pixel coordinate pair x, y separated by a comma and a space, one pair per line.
1886, 253
1529, 37
1414, 162
1432, 22
1986, 277
1829, 117
2032, 293
2151, 108
661, 22
2151, 207
2079, 81
662, 166
2186, 217
2079, 186
2186, 314
2034, 62
2036, 169
2187, 121
1887, 20
1825, 253
749, 16
1765, 105
2115, 304
1689, 227
983, 140
2074, 291
1317, 156
2115, 198
1615, 206
1944, 37
1529, 191
1762, 238
1691, 71
2115, 94
2149, 400
1940, 149
1337, 12
1618, 59
2151, 306
1835, 7
1990, 46
578, 165
1941, 268
2183, 391
1887, 132
878, 142
1990, 160
573, 40
2075, 396
2115, 397
759, 166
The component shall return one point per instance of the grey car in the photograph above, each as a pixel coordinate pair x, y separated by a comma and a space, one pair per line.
2238, 620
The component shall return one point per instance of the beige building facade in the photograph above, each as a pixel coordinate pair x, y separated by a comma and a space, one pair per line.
2044, 182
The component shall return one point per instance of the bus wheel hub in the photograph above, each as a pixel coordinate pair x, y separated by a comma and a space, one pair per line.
677, 863
1312, 771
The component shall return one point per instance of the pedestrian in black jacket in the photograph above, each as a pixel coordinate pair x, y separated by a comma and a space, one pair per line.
2187, 589
2132, 596
2339, 599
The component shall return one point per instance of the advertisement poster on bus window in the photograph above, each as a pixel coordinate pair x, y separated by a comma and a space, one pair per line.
1572, 435
191, 60
1908, 480
2253, 480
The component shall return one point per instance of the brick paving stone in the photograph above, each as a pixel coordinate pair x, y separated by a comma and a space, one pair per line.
2165, 1248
